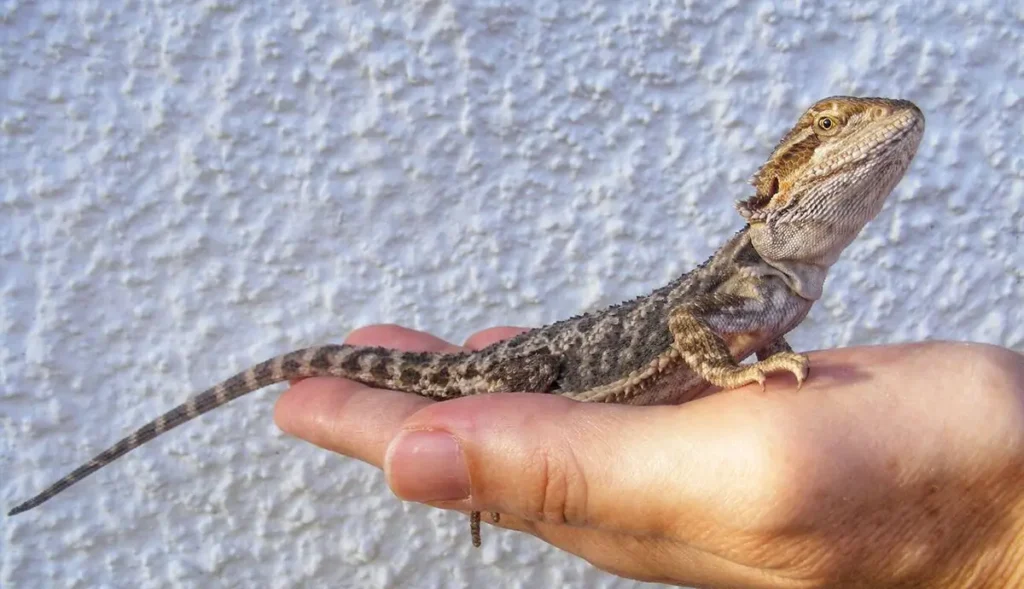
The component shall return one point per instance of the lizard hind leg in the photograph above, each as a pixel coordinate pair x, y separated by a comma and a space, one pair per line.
707, 354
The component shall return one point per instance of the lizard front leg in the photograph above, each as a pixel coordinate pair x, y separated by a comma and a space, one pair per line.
705, 351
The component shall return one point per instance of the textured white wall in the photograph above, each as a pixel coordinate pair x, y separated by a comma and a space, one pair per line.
189, 187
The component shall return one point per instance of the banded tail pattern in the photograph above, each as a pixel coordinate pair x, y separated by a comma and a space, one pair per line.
434, 375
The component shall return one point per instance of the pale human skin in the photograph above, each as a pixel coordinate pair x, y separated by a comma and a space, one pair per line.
897, 465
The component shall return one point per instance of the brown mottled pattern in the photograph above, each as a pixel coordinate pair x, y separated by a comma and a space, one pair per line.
813, 196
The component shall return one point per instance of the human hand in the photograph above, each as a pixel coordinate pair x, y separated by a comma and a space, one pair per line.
893, 466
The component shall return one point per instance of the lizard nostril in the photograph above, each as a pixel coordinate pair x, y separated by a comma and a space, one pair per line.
774, 189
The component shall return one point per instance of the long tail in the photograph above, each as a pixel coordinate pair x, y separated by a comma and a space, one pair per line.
432, 375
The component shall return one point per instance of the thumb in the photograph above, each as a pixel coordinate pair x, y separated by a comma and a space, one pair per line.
545, 458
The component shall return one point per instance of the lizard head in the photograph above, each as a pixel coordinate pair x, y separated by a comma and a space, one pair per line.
829, 176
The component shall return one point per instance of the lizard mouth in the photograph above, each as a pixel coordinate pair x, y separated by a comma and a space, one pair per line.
760, 200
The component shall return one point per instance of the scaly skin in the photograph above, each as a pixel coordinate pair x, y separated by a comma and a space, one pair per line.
825, 180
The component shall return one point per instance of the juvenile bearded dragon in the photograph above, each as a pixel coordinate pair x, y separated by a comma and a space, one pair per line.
824, 181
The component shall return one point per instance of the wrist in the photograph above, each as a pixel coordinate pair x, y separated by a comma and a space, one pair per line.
1008, 570
1001, 560
997, 558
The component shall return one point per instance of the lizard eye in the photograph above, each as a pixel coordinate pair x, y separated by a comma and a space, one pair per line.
826, 124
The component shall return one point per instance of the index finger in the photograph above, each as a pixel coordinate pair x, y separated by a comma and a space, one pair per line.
486, 337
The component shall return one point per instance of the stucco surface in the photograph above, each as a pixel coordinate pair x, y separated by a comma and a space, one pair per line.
189, 187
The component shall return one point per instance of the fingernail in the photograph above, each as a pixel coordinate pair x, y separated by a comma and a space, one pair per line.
427, 466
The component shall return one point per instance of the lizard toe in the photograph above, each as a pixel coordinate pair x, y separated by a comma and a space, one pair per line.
736, 376
793, 363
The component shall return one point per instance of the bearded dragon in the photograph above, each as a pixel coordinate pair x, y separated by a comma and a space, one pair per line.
827, 177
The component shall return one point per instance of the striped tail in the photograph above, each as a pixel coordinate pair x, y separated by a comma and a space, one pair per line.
414, 372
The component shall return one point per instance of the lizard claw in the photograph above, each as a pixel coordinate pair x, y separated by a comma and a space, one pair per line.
795, 364
759, 379
801, 376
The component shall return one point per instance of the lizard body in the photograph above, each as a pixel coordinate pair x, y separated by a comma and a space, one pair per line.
825, 180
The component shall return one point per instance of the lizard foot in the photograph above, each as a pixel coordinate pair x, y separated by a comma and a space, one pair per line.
731, 377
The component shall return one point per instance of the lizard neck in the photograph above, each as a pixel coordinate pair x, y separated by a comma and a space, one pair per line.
805, 279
